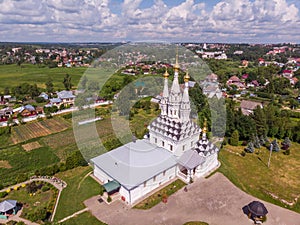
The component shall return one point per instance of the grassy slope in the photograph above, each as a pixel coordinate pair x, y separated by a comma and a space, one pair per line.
251, 174
73, 195
84, 218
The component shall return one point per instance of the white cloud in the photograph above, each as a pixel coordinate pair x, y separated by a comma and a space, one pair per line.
93, 20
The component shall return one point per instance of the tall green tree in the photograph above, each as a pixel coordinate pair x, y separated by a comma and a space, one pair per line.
67, 82
260, 121
49, 86
234, 139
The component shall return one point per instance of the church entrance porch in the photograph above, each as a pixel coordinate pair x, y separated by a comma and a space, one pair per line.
185, 174
111, 191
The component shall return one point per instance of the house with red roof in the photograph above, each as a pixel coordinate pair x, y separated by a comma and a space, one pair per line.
287, 73
234, 80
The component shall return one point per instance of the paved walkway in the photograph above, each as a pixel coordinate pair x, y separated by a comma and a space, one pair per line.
215, 200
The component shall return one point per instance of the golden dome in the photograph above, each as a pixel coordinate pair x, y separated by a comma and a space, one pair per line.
166, 74
187, 76
204, 130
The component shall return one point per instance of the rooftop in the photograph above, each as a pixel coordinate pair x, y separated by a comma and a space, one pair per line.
135, 162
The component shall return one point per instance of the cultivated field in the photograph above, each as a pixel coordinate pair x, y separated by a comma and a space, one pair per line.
31, 146
5, 164
38, 129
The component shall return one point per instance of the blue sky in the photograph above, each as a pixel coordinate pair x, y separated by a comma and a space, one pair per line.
250, 21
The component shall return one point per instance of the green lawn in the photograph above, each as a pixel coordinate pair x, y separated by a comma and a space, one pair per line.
251, 174
159, 195
83, 218
73, 195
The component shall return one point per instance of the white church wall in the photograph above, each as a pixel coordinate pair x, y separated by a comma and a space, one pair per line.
102, 176
125, 194
152, 184
177, 147
211, 162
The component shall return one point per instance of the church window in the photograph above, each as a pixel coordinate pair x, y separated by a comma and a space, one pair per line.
183, 147
154, 178
171, 147
163, 143
164, 173
191, 144
155, 140
145, 183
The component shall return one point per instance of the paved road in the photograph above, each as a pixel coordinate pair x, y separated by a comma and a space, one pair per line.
215, 200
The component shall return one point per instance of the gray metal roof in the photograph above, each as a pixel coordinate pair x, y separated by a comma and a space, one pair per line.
7, 205
135, 162
190, 159
65, 94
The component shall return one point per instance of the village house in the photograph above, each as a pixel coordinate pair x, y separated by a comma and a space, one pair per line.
6, 113
234, 80
67, 97
27, 110
248, 107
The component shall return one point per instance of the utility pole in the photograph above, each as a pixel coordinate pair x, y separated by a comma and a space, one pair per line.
271, 150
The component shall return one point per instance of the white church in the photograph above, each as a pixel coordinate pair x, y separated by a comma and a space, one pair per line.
175, 148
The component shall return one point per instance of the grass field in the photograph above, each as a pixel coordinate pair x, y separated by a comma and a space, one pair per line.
38, 129
83, 218
73, 195
251, 174
13, 75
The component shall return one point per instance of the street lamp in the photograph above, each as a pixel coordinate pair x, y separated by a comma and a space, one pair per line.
271, 150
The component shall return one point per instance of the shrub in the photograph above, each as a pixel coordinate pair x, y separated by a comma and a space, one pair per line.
109, 199
287, 152
45, 188
243, 153
234, 140
249, 148
3, 194
33, 187
101, 191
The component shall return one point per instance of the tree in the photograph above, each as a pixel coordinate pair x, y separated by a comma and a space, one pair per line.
67, 82
256, 142
49, 86
260, 121
286, 143
249, 148
275, 146
234, 140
